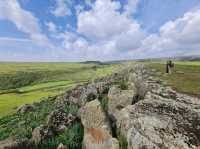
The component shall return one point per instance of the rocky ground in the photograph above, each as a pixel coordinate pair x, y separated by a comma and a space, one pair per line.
132, 109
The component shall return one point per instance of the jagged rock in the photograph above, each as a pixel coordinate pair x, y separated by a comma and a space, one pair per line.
118, 99
37, 135
160, 123
93, 116
60, 101
40, 133
82, 94
59, 120
57, 123
159, 89
138, 84
89, 94
25, 108
97, 130
98, 138
74, 95
61, 146
102, 87
10, 143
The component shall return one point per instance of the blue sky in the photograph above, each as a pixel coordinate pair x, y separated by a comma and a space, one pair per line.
78, 30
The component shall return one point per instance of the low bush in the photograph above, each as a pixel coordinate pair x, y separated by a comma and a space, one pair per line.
12, 81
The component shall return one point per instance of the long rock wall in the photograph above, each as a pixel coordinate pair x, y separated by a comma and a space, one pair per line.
145, 111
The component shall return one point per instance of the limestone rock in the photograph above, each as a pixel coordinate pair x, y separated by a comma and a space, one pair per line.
82, 94
102, 87
58, 120
93, 116
25, 108
119, 99
97, 130
40, 133
98, 138
61, 146
11, 143
163, 123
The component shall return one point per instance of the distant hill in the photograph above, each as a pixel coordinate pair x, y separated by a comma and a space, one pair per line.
95, 62
181, 58
190, 58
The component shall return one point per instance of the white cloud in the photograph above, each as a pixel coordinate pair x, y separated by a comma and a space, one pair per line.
51, 26
111, 31
24, 21
62, 8
103, 21
179, 37
103, 32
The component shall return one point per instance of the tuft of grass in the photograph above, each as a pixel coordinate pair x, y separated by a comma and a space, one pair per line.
123, 85
72, 138
104, 102
123, 144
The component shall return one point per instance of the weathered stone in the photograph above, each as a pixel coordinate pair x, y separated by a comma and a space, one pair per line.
10, 143
162, 123
102, 87
61, 146
97, 130
118, 99
93, 116
138, 84
98, 138
25, 108
40, 133
58, 120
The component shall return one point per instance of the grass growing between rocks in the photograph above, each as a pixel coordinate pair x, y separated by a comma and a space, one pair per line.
104, 102
123, 144
123, 85
185, 77
72, 138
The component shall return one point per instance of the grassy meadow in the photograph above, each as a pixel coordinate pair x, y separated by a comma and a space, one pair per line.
185, 77
22, 83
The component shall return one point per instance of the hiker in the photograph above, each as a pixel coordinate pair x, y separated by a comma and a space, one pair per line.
169, 66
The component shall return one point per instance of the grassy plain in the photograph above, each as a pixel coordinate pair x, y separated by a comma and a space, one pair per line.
185, 77
22, 83
52, 79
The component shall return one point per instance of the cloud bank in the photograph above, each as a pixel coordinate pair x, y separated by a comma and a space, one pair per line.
104, 30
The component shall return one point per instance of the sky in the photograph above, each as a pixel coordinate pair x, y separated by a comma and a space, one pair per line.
80, 30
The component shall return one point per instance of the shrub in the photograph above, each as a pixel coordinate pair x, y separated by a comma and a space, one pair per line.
12, 81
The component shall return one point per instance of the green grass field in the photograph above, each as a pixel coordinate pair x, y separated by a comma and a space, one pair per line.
22, 83
185, 77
